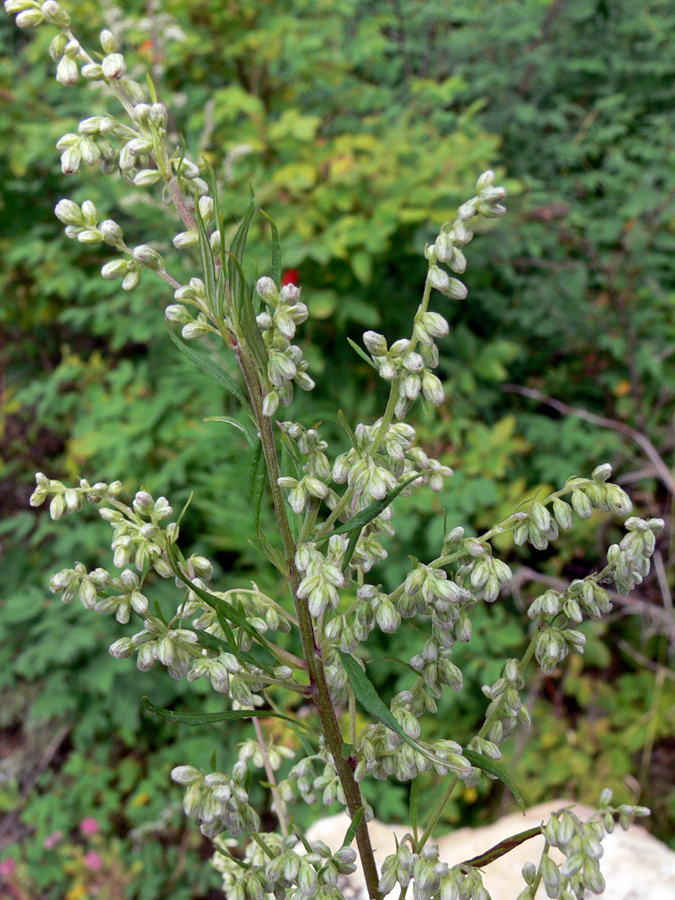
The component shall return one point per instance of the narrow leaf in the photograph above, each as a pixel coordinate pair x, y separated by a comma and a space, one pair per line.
351, 547
493, 768
354, 827
370, 700
502, 848
362, 354
248, 432
348, 428
276, 250
414, 804
256, 482
212, 368
230, 715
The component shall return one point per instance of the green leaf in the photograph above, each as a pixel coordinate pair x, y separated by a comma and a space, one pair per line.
370, 512
212, 368
353, 828
362, 353
493, 768
237, 247
248, 432
257, 477
370, 700
414, 804
230, 715
214, 761
348, 428
276, 250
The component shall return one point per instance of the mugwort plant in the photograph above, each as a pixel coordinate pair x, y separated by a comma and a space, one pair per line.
333, 510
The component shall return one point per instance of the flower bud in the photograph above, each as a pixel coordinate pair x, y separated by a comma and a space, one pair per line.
114, 66
146, 256
268, 290
67, 72
183, 238
92, 72
29, 18
57, 46
116, 268
112, 233
108, 42
147, 177
68, 212
55, 14
194, 330
439, 279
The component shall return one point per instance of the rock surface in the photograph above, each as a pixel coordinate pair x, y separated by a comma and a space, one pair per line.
636, 866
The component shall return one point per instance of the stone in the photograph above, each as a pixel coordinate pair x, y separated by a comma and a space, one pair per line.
635, 865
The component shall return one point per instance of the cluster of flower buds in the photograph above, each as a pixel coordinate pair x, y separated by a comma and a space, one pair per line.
219, 801
67, 500
286, 365
322, 574
504, 711
174, 648
30, 13
284, 868
580, 844
630, 559
274, 754
192, 294
455, 235
436, 669
409, 369
539, 526
483, 576
431, 878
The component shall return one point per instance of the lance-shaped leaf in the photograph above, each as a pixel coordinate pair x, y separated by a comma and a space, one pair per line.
248, 432
479, 761
230, 715
372, 511
229, 612
502, 848
353, 828
212, 368
276, 251
256, 482
247, 322
207, 261
362, 354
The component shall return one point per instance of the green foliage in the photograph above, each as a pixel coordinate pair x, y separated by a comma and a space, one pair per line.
357, 124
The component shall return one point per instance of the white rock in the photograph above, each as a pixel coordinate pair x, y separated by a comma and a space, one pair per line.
635, 865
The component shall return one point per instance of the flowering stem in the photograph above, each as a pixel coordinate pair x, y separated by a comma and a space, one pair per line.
320, 692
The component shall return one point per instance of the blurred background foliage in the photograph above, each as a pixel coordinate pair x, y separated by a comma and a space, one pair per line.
360, 127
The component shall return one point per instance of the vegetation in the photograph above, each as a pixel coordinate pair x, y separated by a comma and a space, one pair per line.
360, 128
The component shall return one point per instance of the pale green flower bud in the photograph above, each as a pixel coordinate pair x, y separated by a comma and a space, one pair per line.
67, 71
108, 42
68, 212
541, 516
114, 66
12, 7
92, 72
57, 506
602, 473
582, 505
122, 648
432, 388
148, 257
116, 268
270, 403
186, 775
90, 236
268, 290
57, 46
185, 238
55, 14
147, 177
194, 330
486, 180
159, 116
439, 279
30, 18
563, 513
176, 312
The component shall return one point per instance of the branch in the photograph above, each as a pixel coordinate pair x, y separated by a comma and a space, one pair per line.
663, 472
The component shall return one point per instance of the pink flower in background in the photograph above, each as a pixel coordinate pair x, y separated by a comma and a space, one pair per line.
52, 840
93, 862
89, 826
8, 866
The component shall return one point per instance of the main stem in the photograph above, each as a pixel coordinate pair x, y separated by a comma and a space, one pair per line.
315, 669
